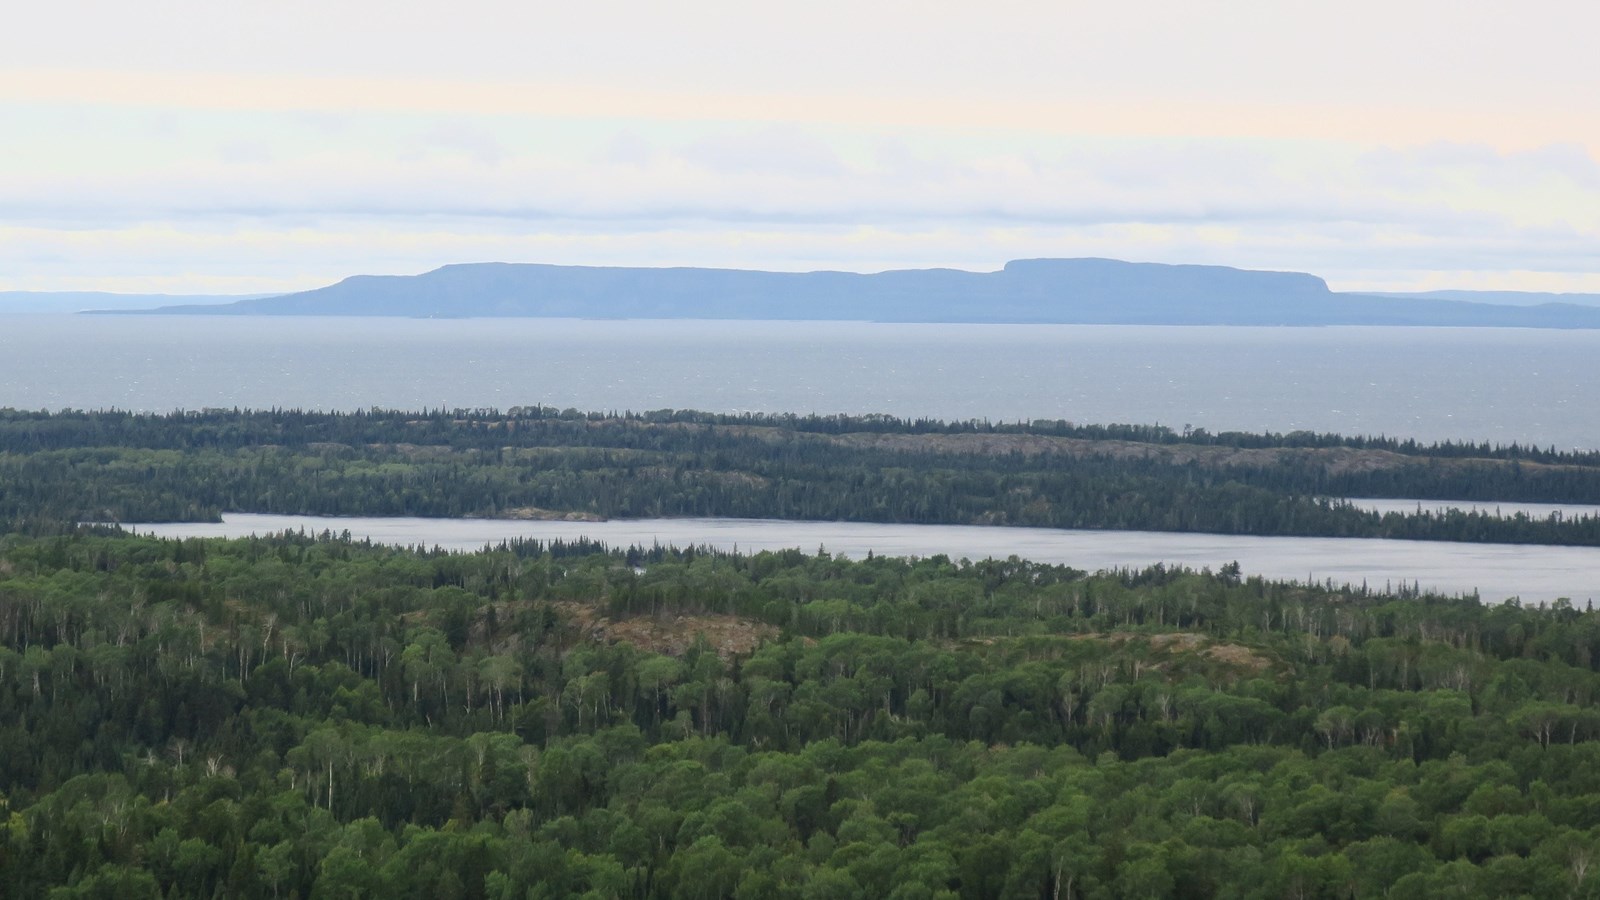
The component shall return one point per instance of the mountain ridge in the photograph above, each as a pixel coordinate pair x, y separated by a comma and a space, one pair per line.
1087, 291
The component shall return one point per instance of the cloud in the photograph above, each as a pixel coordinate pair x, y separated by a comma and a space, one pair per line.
305, 197
1433, 52
785, 150
245, 255
553, 171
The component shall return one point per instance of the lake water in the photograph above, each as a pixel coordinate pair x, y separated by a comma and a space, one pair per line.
1496, 571
1480, 384
1497, 385
1503, 510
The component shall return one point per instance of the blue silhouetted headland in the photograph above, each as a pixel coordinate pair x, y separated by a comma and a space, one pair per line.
1060, 291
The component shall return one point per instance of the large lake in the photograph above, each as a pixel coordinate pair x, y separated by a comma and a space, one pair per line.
1496, 571
1478, 384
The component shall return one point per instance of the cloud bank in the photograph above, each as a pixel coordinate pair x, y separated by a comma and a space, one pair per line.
164, 151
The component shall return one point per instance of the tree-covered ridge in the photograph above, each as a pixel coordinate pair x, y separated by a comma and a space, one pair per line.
291, 716
184, 429
59, 468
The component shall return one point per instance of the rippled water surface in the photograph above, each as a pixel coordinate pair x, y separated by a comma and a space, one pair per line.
1479, 384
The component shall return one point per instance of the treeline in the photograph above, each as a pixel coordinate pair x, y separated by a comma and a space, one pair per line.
27, 429
302, 717
57, 469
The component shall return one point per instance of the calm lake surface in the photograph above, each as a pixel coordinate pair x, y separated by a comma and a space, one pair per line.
1496, 571
1527, 386
1503, 510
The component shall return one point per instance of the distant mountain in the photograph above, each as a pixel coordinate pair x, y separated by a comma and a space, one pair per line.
1067, 291
80, 301
1500, 298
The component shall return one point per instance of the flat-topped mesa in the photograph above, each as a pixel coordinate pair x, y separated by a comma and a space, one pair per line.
1110, 291
1035, 291
1114, 276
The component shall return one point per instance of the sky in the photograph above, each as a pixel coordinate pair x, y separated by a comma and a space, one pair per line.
191, 146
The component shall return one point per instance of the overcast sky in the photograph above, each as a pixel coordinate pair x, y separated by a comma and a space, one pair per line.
188, 146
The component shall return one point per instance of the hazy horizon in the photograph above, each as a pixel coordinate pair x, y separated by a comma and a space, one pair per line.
1384, 147
18, 300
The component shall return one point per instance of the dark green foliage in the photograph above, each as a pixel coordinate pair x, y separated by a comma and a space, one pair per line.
304, 717
56, 469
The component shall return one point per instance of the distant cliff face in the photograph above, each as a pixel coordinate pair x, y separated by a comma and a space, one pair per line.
1109, 290
1064, 291
1116, 275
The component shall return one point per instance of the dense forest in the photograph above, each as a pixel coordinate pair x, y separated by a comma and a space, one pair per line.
66, 467
310, 716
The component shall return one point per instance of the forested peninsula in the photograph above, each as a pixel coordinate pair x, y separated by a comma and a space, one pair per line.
311, 716
65, 467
